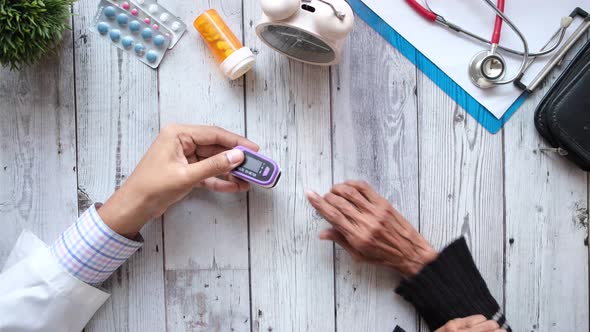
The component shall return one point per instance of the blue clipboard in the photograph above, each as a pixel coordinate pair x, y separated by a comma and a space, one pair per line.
460, 96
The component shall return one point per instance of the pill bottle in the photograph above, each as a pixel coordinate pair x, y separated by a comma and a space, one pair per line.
233, 58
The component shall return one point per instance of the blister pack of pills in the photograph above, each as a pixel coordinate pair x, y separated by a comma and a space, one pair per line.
130, 34
142, 15
158, 15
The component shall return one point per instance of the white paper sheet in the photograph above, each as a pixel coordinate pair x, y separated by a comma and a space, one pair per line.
537, 19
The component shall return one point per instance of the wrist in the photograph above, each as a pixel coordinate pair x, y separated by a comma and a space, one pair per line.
423, 257
125, 213
414, 259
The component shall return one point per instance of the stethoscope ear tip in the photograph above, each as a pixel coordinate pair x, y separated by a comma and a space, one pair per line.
566, 21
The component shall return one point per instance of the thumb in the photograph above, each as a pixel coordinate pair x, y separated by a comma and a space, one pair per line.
216, 165
333, 234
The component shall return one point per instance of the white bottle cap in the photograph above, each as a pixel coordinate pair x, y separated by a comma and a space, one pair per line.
238, 63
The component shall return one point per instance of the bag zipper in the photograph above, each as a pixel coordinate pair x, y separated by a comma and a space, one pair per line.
560, 151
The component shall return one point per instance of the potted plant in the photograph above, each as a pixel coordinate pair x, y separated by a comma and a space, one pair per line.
30, 29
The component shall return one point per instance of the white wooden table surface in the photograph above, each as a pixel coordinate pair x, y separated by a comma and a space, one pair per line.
73, 128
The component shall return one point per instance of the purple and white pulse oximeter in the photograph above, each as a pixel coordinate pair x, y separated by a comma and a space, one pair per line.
257, 169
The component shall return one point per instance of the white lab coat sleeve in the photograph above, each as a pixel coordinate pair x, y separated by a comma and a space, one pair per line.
37, 294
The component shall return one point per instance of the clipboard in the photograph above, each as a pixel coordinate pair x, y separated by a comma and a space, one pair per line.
458, 94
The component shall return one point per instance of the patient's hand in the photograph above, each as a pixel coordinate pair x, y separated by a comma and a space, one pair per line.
370, 229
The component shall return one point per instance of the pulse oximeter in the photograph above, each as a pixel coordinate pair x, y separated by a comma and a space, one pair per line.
257, 169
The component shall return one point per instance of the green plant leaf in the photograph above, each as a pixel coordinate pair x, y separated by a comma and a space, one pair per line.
30, 29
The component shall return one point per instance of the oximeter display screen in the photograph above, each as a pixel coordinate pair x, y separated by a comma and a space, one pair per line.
251, 164
256, 168
298, 44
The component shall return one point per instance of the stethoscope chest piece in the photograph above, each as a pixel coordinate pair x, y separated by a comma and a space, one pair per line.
486, 68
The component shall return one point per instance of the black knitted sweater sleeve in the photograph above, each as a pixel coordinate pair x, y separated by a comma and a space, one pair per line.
451, 287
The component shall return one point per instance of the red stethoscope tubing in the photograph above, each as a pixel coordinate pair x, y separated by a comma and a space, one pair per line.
498, 25
427, 14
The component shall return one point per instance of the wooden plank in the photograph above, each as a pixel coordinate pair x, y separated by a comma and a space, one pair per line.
374, 122
288, 114
546, 230
461, 182
38, 149
117, 106
206, 235
208, 300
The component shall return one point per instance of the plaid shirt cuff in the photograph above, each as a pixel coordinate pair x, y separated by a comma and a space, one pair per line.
91, 251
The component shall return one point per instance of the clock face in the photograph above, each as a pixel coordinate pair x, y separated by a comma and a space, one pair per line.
298, 44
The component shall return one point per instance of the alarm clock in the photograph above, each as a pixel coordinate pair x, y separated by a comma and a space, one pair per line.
311, 31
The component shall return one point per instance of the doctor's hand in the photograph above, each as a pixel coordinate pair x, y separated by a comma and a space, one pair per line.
182, 157
371, 229
477, 323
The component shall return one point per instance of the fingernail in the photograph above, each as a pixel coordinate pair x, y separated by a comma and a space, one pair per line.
234, 156
311, 195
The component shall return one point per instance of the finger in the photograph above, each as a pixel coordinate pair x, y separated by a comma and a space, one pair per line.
345, 207
187, 144
456, 324
352, 195
219, 164
330, 213
206, 151
486, 326
191, 158
473, 320
333, 234
207, 135
222, 186
219, 185
365, 189
244, 186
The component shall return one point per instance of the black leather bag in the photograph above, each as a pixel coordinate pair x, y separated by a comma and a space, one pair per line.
563, 116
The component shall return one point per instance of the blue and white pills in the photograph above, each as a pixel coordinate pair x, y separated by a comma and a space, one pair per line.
159, 40
150, 10
147, 33
115, 35
127, 41
134, 26
151, 56
110, 12
139, 49
122, 19
130, 33
102, 28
